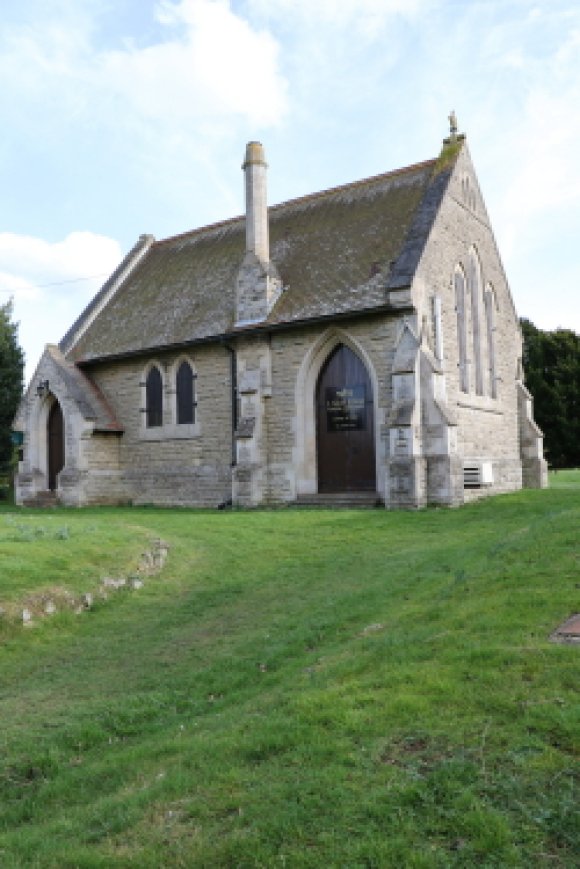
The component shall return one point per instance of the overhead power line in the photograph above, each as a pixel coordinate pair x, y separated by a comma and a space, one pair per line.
56, 283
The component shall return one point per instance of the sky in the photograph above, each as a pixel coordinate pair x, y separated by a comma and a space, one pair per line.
124, 117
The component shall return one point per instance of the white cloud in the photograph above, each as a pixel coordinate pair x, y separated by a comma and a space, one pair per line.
548, 135
215, 65
532, 156
80, 254
546, 177
156, 117
51, 283
139, 114
337, 46
207, 62
365, 15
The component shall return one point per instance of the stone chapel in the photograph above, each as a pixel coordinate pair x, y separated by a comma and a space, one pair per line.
358, 345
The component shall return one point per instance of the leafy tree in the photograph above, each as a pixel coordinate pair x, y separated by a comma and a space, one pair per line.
11, 373
552, 370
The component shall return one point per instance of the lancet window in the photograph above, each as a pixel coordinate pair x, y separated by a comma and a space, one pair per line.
489, 301
185, 394
460, 307
154, 398
475, 295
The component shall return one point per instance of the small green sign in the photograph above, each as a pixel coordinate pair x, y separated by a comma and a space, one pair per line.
17, 438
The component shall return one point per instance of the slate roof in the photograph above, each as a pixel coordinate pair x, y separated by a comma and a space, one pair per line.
336, 252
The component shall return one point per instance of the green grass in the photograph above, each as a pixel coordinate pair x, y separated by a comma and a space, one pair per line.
296, 688
43, 551
566, 479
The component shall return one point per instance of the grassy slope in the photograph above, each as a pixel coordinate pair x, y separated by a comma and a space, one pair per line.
308, 688
57, 549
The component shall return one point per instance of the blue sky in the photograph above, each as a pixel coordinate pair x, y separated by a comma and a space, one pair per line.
121, 117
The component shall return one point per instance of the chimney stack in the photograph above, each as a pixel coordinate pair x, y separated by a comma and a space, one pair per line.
254, 167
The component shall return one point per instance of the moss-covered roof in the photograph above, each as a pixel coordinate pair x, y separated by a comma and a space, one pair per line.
336, 251
89, 400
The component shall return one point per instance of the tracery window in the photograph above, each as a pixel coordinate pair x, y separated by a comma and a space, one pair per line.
154, 398
468, 193
475, 298
185, 394
460, 307
437, 327
489, 301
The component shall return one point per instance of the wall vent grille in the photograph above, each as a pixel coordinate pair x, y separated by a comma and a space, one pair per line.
477, 474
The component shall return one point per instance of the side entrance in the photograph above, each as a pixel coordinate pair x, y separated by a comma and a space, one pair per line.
55, 443
345, 443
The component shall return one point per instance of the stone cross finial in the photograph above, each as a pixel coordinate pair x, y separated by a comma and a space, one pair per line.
453, 124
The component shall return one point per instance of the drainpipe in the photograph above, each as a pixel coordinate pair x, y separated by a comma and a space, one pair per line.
234, 398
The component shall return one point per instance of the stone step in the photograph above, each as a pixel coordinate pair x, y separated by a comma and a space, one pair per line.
340, 499
42, 499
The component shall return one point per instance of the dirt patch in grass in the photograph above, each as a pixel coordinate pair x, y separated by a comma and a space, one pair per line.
568, 631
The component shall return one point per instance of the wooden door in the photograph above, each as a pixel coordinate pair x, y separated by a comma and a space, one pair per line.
345, 425
55, 444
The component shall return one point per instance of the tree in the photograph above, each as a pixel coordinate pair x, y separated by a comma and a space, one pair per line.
552, 371
11, 376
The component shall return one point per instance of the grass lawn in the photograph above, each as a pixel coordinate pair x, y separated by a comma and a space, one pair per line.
298, 688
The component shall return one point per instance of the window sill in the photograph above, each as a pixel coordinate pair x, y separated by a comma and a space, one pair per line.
480, 402
171, 432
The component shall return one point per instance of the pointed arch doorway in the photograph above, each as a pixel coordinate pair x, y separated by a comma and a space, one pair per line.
55, 444
345, 440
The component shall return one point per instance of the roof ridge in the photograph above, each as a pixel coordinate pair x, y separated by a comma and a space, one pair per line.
299, 199
199, 229
359, 183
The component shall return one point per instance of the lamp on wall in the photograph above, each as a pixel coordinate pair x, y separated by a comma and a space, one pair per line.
42, 389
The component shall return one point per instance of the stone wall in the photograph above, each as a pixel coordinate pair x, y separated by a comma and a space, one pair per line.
105, 483
487, 427
277, 461
173, 465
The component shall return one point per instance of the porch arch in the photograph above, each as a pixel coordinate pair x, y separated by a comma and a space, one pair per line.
39, 440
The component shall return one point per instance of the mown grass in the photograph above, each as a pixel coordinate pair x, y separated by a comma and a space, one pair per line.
300, 688
64, 549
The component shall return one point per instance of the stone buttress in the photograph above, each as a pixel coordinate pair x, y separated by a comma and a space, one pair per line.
423, 466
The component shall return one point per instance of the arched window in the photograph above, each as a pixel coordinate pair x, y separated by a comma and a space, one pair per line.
461, 329
468, 193
154, 398
475, 296
185, 394
437, 327
489, 301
